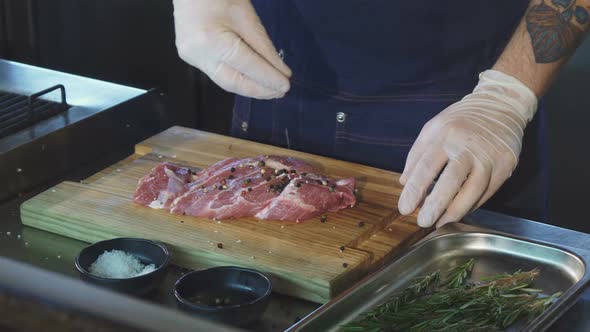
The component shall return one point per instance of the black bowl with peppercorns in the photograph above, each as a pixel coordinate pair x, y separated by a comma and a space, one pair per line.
228, 294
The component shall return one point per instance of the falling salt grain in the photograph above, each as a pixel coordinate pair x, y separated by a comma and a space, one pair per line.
219, 221
58, 256
282, 226
173, 156
52, 190
118, 170
8, 233
26, 244
160, 156
18, 170
389, 229
238, 241
18, 236
215, 231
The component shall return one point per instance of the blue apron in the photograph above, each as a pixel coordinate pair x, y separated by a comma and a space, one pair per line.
367, 75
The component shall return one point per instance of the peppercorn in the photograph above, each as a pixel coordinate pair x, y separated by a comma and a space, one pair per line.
268, 178
323, 218
344, 265
293, 171
303, 174
220, 187
342, 248
230, 177
361, 224
298, 184
220, 245
249, 189
261, 163
233, 169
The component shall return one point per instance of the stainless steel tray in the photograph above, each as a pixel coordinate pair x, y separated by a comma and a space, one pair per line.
562, 269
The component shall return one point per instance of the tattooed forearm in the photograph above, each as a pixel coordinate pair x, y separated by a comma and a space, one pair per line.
556, 28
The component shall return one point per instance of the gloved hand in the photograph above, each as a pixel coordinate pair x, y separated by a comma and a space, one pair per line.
479, 139
226, 40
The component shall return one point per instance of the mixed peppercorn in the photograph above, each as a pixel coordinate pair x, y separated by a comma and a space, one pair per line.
279, 185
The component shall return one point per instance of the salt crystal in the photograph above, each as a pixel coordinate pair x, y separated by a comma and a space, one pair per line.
160, 156
282, 226
238, 241
119, 264
58, 256
390, 229
215, 231
18, 170
26, 244
173, 156
18, 236
8, 233
52, 190
118, 169
219, 221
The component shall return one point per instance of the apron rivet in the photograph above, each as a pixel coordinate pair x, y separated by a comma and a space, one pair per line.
340, 116
244, 126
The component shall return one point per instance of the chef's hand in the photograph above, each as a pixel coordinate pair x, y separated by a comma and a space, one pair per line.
226, 40
479, 140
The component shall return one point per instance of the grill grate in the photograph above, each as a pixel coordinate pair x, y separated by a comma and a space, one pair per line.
18, 112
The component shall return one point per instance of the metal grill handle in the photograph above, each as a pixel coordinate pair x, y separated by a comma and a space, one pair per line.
34, 96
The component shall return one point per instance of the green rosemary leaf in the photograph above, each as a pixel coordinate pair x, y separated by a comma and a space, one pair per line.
458, 275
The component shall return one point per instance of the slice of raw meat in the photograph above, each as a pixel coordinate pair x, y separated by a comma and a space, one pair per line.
303, 198
162, 185
267, 187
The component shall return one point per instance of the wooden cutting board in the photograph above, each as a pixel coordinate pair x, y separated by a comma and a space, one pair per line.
303, 260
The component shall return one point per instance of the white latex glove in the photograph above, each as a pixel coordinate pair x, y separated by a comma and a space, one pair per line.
226, 40
479, 139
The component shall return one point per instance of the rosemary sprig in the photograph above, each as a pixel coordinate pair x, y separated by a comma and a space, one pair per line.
458, 275
417, 288
457, 305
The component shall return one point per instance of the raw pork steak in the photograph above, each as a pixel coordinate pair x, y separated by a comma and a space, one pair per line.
266, 187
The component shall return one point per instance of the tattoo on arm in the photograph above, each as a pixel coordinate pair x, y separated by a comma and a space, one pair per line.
556, 28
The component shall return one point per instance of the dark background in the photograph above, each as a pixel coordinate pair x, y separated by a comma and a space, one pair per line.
131, 42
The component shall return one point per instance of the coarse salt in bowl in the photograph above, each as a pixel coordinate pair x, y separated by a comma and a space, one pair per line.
129, 265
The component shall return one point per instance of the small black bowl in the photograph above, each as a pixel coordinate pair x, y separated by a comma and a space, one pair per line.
228, 294
147, 251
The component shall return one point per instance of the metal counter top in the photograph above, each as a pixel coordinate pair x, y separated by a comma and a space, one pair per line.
56, 253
